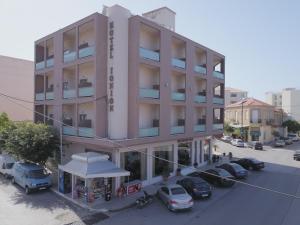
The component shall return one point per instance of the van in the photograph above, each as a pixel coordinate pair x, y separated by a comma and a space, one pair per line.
30, 176
6, 165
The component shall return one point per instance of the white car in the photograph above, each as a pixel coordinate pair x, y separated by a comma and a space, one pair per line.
279, 143
226, 138
6, 164
294, 137
238, 143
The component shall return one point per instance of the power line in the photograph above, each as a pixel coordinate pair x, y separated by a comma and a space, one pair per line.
156, 157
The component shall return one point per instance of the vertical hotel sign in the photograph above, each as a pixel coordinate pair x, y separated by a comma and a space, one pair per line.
111, 68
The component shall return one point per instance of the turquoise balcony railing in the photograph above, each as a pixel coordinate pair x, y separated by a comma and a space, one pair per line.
70, 93
177, 130
199, 128
149, 54
219, 101
49, 95
86, 132
50, 62
149, 93
176, 96
218, 126
86, 91
40, 96
40, 65
200, 69
69, 56
85, 52
69, 131
178, 63
200, 99
148, 132
218, 75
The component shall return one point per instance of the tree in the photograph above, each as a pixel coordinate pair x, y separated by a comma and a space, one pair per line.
6, 125
292, 125
275, 133
228, 129
32, 142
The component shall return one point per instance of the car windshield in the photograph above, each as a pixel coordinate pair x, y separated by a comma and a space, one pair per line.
9, 165
224, 173
236, 167
254, 160
37, 174
177, 191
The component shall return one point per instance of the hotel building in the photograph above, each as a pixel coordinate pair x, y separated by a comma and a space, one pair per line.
123, 82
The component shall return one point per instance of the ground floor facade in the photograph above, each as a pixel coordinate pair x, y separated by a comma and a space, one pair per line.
265, 133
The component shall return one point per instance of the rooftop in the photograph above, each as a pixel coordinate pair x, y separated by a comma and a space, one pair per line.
233, 89
249, 102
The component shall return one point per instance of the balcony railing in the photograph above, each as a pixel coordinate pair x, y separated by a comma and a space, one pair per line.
86, 132
200, 99
49, 95
178, 63
70, 93
40, 65
199, 128
69, 131
149, 93
218, 75
218, 126
86, 91
149, 54
50, 62
177, 129
149, 132
177, 96
218, 100
86, 51
69, 56
40, 96
200, 69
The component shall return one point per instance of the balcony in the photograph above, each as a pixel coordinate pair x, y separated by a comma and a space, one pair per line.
218, 75
177, 129
86, 132
85, 50
180, 63
71, 131
49, 62
86, 91
200, 99
149, 132
200, 69
149, 93
218, 126
71, 93
199, 128
177, 96
40, 65
218, 100
40, 96
69, 56
50, 95
149, 54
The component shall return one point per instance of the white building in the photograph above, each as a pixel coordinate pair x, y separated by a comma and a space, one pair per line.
233, 95
274, 98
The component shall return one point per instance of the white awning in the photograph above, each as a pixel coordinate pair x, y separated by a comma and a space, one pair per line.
92, 165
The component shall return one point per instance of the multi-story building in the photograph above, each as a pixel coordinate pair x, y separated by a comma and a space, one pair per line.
233, 95
13, 73
257, 119
130, 87
274, 98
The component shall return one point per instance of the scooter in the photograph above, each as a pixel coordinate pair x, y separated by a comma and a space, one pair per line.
144, 200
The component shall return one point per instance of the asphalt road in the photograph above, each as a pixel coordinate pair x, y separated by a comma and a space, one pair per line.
240, 205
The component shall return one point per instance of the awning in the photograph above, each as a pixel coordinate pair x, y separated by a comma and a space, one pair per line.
92, 165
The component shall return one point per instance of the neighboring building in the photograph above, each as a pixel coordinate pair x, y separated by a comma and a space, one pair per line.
274, 98
288, 100
258, 119
137, 85
233, 95
17, 81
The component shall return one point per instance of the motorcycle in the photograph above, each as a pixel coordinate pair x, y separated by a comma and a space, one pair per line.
144, 200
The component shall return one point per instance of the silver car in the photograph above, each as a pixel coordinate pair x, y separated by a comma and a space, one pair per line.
175, 197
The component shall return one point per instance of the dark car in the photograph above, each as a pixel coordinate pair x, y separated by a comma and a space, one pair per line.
196, 187
297, 155
215, 176
235, 170
256, 145
250, 163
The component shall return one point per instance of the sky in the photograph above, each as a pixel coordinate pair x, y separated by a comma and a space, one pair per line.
260, 39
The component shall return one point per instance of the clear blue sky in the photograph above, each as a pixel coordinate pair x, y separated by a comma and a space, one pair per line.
260, 38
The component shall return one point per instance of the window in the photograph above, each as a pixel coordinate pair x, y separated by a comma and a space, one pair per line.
161, 166
233, 95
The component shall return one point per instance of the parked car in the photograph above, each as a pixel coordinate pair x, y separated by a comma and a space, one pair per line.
255, 145
6, 165
216, 176
235, 170
237, 143
294, 137
175, 197
287, 141
297, 155
196, 187
279, 143
226, 138
30, 176
250, 163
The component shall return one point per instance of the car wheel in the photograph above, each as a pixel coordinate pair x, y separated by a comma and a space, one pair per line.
27, 190
13, 180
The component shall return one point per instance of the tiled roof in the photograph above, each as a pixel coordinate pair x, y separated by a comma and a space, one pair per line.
250, 102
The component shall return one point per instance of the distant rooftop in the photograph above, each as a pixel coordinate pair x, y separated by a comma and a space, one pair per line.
249, 102
233, 89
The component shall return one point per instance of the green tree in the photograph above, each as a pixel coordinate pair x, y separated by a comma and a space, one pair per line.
292, 125
32, 142
6, 125
228, 129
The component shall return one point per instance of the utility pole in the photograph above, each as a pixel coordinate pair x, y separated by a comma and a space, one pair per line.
242, 123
